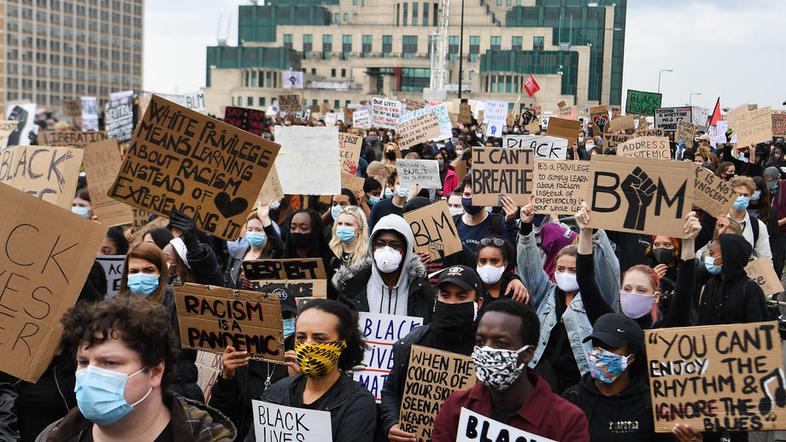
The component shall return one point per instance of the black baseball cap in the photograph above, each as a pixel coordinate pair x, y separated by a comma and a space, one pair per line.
287, 300
462, 276
617, 331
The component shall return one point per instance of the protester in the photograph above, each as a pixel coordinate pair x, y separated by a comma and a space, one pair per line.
305, 240
454, 203
447, 174
115, 243
775, 184
754, 230
373, 190
81, 205
349, 241
493, 266
392, 204
195, 259
476, 223
345, 199
760, 207
261, 241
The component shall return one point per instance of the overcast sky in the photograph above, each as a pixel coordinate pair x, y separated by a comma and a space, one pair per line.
725, 48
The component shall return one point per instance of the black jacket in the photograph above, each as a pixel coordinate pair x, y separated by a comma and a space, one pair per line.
353, 413
393, 390
204, 266
48, 400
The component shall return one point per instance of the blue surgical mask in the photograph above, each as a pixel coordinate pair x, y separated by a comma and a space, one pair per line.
142, 284
773, 186
345, 233
756, 195
388, 193
84, 212
402, 191
335, 211
256, 240
372, 200
741, 203
606, 366
100, 394
289, 327
709, 264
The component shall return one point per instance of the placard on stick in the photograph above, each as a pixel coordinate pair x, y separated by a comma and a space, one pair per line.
763, 273
46, 172
560, 186
182, 160
500, 171
102, 162
71, 138
432, 375
417, 129
567, 129
648, 197
46, 255
717, 377
281, 423
434, 230
423, 173
651, 148
211, 318
642, 103
713, 194
301, 277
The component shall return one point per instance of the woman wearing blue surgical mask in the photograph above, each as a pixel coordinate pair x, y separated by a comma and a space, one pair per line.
260, 240
344, 199
349, 241
81, 204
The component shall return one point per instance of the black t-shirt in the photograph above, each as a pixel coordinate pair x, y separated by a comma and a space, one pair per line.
558, 364
166, 435
318, 404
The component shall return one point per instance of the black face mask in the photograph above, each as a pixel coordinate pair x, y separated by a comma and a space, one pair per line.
453, 320
391, 155
663, 255
469, 208
300, 240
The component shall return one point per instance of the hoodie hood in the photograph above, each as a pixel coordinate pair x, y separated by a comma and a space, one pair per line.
399, 225
736, 251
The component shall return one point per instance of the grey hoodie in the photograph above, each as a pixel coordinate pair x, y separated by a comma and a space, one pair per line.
380, 297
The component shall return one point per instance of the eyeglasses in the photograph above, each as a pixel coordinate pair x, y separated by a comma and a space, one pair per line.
349, 209
498, 242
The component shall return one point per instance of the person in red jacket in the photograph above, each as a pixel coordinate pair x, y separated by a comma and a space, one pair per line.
507, 391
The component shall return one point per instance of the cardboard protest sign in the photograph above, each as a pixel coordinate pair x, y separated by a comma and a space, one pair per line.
667, 118
209, 368
614, 140
119, 118
600, 116
752, 127
71, 107
89, 113
361, 119
385, 113
352, 182
717, 377
648, 197
502, 171
302, 278
414, 130
465, 113
271, 190
4, 134
655, 148
48, 173
307, 153
474, 427
194, 101
642, 103
568, 113
560, 186
289, 103
250, 120
69, 138
763, 273
567, 129
779, 124
113, 270
712, 193
685, 132
423, 173
380, 331
434, 230
26, 129
432, 375
621, 123
281, 423
496, 113
47, 253
211, 318
182, 160
654, 132
349, 151
8, 125
102, 162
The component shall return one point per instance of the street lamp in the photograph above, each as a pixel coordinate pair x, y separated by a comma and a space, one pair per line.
661, 73
461, 53
690, 97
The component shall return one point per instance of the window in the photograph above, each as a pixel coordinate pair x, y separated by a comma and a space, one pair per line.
250, 101
327, 45
414, 13
343, 73
288, 41
261, 101
499, 2
333, 72
410, 46
537, 43
387, 45
496, 43
398, 13
453, 47
346, 45
435, 15
346, 17
425, 13
517, 43
366, 49
404, 16
474, 48
308, 43
415, 79
336, 104
336, 18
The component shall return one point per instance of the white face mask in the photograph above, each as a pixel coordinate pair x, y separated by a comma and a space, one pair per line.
490, 274
566, 281
387, 259
456, 211
402, 192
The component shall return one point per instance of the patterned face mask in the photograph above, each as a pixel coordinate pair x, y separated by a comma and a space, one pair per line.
317, 360
606, 366
496, 368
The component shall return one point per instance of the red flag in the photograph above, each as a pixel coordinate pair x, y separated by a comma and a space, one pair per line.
716, 114
531, 86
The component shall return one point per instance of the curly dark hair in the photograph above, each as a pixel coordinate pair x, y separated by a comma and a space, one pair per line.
347, 330
530, 324
143, 326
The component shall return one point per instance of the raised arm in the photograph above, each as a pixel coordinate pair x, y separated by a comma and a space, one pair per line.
679, 310
594, 304
529, 265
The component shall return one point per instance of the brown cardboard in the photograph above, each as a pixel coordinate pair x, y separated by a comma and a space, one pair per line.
600, 117
720, 376
763, 273
499, 171
418, 130
299, 277
465, 113
752, 127
289, 103
182, 160
431, 376
685, 132
647, 197
712, 194
71, 138
11, 125
779, 124
352, 182
49, 173
102, 162
620, 124
560, 186
271, 190
211, 318
649, 148
349, 151
567, 129
654, 132
71, 107
434, 230
46, 255
4, 134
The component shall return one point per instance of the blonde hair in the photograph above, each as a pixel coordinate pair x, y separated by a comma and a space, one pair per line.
361, 240
378, 168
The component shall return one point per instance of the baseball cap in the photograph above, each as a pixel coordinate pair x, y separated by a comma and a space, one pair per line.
462, 276
617, 331
287, 300
704, 137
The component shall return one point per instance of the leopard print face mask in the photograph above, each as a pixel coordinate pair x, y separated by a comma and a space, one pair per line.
496, 368
317, 360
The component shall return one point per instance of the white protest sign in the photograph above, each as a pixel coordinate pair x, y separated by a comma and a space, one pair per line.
209, 367
361, 119
89, 113
331, 118
113, 269
308, 153
474, 427
544, 147
385, 113
119, 118
380, 331
281, 423
424, 173
194, 100
495, 115
292, 79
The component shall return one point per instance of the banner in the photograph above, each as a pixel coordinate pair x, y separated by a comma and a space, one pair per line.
543, 147
434, 230
642, 103
292, 79
654, 148
381, 331
713, 194
48, 173
119, 118
182, 160
727, 376
303, 278
113, 270
349, 151
281, 423
250, 120
211, 318
474, 427
70, 138
495, 115
415, 129
560, 186
102, 163
500, 171
385, 113
307, 153
667, 118
423, 173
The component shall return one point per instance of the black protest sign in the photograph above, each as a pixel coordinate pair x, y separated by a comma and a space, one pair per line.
303, 278
721, 377
211, 318
667, 118
647, 197
500, 171
182, 160
250, 120
434, 230
642, 103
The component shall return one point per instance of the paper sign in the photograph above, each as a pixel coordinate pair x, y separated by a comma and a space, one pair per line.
119, 118
271, 190
24, 114
380, 331
69, 138
667, 118
779, 124
567, 129
647, 197
560, 186
281, 423
48, 173
113, 271
642, 103
655, 148
414, 130
713, 194
502, 171
194, 101
496, 113
289, 103
250, 120
182, 160
621, 123
654, 132
685, 132
568, 113
211, 318
361, 119
46, 255
209, 367
544, 147
385, 113
614, 140
474, 427
102, 162
423, 173
303, 277
308, 153
349, 151
432, 375
434, 230
717, 377
89, 113
752, 127
763, 273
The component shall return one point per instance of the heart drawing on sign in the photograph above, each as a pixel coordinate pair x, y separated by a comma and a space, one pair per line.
230, 207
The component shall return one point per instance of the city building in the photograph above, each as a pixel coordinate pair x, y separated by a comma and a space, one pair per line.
55, 49
351, 49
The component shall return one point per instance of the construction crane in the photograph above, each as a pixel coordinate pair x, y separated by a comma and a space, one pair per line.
439, 47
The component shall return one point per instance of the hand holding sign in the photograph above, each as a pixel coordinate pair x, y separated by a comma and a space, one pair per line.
231, 360
528, 211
